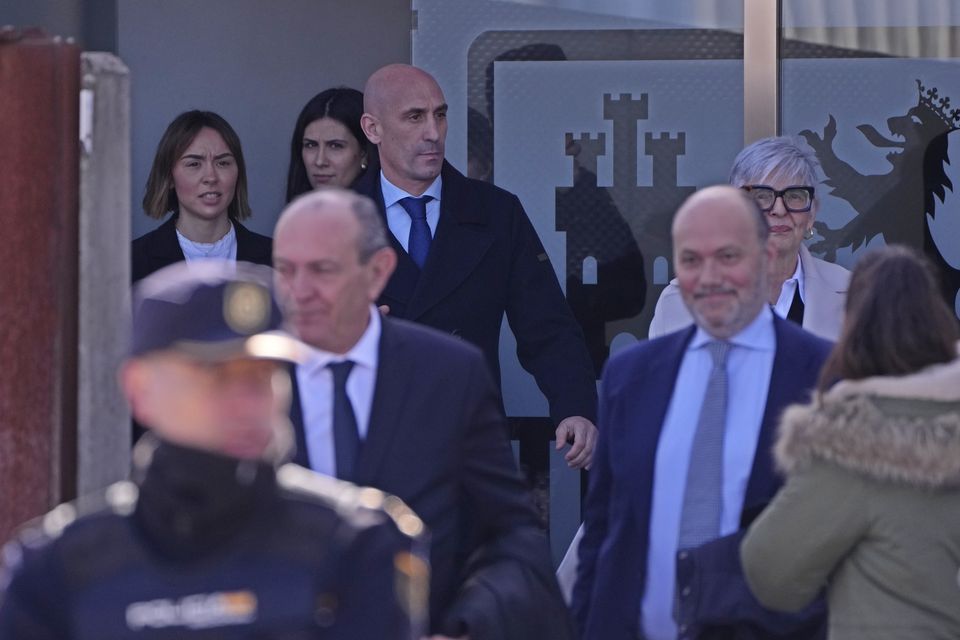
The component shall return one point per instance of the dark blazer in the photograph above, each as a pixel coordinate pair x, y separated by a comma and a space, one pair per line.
437, 439
158, 248
637, 388
486, 260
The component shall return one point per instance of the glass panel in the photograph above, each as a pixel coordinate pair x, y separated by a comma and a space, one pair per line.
874, 87
608, 114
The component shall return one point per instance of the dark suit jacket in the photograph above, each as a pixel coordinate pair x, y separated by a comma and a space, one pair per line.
637, 388
158, 248
437, 439
486, 260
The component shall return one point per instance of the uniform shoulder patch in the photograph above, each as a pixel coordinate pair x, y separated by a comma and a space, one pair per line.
349, 500
119, 498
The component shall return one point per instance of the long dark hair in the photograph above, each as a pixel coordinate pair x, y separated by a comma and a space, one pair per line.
343, 104
896, 321
159, 196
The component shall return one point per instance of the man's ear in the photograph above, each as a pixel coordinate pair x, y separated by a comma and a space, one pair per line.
381, 263
371, 127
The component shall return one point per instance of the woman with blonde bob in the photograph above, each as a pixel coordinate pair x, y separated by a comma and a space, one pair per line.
871, 507
199, 178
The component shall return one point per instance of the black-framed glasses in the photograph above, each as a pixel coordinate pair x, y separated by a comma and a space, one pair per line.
796, 199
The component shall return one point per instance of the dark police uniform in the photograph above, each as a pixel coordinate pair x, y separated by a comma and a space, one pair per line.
201, 545
204, 546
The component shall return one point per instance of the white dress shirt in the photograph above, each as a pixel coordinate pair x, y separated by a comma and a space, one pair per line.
749, 365
790, 285
315, 382
397, 217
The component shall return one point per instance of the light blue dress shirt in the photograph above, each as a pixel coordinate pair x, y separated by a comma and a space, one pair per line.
749, 366
397, 217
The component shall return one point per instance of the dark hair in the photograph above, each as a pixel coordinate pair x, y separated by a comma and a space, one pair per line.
896, 322
159, 196
343, 104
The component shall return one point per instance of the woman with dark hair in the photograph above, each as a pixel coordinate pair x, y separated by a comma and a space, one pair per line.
199, 177
871, 507
328, 148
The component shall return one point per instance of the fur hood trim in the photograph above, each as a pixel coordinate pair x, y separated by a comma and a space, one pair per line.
859, 426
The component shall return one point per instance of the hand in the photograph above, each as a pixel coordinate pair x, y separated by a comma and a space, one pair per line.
584, 436
384, 309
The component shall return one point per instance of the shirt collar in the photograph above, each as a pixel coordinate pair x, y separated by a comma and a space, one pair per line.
798, 276
392, 194
757, 335
364, 353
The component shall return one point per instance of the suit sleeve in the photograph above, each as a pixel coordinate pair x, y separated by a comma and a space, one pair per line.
386, 589
509, 591
594, 519
550, 343
772, 578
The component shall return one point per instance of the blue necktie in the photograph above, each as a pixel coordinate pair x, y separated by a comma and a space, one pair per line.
346, 438
703, 496
418, 245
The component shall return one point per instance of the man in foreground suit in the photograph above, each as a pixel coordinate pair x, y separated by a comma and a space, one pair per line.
684, 461
423, 419
468, 254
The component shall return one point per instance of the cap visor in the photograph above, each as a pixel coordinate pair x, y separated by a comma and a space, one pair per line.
270, 345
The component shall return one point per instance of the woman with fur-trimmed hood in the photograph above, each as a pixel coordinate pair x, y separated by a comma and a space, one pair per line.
871, 507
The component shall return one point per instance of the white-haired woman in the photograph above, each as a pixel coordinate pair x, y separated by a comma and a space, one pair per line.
780, 173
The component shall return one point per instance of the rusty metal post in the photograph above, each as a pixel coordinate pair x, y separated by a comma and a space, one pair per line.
39, 199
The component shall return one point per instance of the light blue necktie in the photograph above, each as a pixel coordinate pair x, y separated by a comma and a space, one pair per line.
418, 245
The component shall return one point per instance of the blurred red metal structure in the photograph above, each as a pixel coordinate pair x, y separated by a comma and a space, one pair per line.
39, 203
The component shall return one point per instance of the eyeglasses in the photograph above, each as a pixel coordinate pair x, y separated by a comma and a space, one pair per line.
796, 199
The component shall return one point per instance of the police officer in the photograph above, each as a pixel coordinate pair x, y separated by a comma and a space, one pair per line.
213, 539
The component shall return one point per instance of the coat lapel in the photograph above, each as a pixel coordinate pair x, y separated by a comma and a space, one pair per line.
657, 385
165, 250
763, 478
404, 279
300, 457
392, 383
825, 299
462, 238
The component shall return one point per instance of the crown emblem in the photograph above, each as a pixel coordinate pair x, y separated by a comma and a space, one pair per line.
940, 106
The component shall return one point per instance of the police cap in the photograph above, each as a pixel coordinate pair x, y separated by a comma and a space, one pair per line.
211, 310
